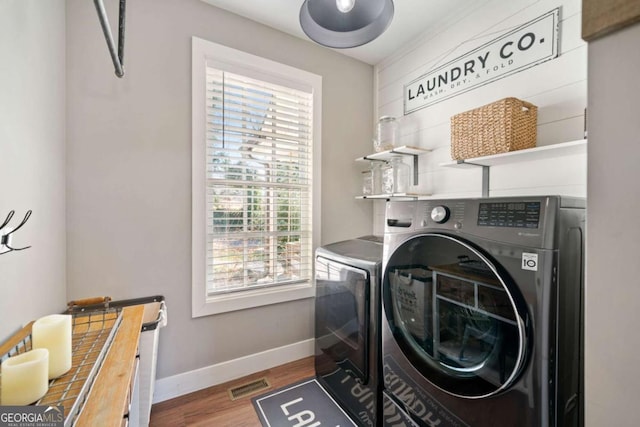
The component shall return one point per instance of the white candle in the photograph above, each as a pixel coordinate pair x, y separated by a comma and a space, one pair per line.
53, 332
24, 378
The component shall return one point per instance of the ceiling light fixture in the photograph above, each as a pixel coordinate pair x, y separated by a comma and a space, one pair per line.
345, 23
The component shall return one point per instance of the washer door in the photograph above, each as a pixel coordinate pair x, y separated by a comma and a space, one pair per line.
455, 315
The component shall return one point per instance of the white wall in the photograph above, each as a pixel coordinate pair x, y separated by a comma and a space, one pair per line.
612, 291
32, 159
129, 168
558, 87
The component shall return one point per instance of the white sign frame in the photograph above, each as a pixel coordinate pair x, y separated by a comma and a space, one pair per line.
528, 45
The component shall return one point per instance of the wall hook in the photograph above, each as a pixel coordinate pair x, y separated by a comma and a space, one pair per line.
117, 58
5, 236
6, 221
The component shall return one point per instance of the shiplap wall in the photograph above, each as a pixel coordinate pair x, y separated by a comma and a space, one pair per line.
558, 87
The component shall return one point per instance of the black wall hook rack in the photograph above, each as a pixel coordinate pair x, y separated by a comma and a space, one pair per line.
116, 57
6, 233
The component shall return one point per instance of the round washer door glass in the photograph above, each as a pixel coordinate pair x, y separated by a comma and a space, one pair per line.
454, 316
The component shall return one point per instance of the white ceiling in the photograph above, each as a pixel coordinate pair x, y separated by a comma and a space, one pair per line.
411, 18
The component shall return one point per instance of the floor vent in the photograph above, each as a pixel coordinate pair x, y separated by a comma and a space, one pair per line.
248, 389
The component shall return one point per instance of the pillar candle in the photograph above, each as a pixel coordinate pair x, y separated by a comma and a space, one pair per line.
53, 332
24, 378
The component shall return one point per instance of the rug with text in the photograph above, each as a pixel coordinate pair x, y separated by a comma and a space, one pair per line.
304, 403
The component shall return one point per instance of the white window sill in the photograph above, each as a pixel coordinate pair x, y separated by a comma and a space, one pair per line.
234, 301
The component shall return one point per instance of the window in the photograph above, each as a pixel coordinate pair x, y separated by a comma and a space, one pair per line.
255, 179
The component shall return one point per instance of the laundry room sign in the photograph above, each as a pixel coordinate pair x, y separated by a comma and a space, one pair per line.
523, 47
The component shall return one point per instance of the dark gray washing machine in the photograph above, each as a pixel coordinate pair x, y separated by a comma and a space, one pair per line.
482, 312
347, 325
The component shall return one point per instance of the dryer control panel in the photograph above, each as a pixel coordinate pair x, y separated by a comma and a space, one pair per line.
525, 214
525, 220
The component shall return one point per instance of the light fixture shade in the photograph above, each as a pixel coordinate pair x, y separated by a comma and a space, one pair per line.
323, 22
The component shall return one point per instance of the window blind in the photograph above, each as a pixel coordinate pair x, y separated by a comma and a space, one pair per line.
259, 183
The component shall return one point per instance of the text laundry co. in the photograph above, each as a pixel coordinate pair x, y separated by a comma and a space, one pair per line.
528, 45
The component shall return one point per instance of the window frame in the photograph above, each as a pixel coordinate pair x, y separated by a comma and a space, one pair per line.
233, 60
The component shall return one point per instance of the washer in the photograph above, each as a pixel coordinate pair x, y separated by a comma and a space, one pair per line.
347, 325
482, 311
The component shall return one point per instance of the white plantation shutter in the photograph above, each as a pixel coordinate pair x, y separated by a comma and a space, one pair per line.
259, 183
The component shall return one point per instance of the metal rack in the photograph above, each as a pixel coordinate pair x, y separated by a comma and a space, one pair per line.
116, 57
93, 334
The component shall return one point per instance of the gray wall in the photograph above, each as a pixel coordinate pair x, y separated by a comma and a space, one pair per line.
129, 168
32, 159
613, 235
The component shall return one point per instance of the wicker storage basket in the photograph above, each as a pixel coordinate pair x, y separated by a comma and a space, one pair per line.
506, 125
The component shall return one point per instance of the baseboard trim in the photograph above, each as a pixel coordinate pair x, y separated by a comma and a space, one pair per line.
188, 382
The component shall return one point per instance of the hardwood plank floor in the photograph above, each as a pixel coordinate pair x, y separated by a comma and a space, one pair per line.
213, 407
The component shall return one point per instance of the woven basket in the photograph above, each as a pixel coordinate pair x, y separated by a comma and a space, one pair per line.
502, 126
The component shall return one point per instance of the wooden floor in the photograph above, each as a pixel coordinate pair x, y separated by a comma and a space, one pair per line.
213, 407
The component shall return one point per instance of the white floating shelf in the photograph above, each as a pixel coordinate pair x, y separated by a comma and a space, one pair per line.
386, 155
537, 153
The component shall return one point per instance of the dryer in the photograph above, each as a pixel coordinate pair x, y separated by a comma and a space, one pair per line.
347, 325
482, 311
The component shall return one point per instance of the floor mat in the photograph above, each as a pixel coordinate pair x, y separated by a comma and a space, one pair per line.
303, 403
